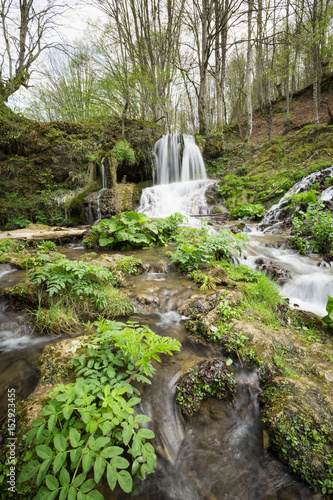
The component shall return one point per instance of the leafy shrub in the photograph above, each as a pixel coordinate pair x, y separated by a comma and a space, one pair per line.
304, 199
78, 290
134, 230
314, 230
201, 247
123, 152
169, 226
129, 230
247, 211
89, 428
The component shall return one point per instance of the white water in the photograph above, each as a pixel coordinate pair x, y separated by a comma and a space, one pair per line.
310, 284
104, 187
273, 214
181, 179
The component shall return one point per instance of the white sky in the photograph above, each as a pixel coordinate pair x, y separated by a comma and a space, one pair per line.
72, 27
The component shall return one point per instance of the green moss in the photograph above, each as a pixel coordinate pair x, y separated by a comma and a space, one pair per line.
206, 379
300, 438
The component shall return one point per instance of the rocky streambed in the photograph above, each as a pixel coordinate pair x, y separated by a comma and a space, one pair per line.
283, 405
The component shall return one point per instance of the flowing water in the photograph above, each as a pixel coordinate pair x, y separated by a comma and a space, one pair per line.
218, 454
104, 187
180, 179
272, 218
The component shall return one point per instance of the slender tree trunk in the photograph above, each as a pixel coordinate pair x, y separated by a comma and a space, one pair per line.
287, 88
315, 61
249, 71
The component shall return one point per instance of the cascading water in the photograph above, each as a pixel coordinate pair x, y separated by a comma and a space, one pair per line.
104, 187
273, 215
180, 177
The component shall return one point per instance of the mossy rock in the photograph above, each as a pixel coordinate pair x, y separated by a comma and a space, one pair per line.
205, 379
299, 421
23, 294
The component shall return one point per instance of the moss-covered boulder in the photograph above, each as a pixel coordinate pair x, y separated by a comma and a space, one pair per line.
205, 379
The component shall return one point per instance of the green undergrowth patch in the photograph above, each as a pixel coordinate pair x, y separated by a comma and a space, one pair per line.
266, 173
133, 230
198, 247
247, 211
66, 293
313, 230
28, 254
89, 429
124, 265
206, 379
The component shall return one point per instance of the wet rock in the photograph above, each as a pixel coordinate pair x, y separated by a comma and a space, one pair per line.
205, 379
298, 418
277, 273
238, 227
199, 305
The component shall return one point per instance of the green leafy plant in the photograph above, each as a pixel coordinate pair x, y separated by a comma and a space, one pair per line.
329, 309
205, 280
78, 290
247, 211
196, 248
89, 427
129, 230
314, 230
123, 152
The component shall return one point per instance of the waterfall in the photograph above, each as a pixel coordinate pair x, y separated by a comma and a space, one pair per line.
104, 187
180, 179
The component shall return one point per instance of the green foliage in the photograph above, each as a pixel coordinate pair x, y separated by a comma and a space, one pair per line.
129, 265
247, 211
304, 198
329, 309
196, 248
263, 297
70, 291
314, 230
89, 427
169, 226
29, 254
205, 280
206, 379
134, 230
123, 152
241, 272
227, 312
129, 230
73, 277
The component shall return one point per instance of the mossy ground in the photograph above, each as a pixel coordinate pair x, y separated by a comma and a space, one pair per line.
47, 169
253, 174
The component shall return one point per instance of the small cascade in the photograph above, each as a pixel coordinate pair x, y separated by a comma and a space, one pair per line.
180, 179
90, 215
275, 214
104, 187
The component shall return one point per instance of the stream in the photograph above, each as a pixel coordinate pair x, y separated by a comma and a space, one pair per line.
218, 454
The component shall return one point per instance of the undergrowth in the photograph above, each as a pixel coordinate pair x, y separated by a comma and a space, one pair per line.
89, 428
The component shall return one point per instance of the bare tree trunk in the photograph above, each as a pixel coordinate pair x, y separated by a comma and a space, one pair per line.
249, 70
315, 61
287, 88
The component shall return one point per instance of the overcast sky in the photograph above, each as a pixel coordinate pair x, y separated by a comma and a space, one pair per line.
72, 27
